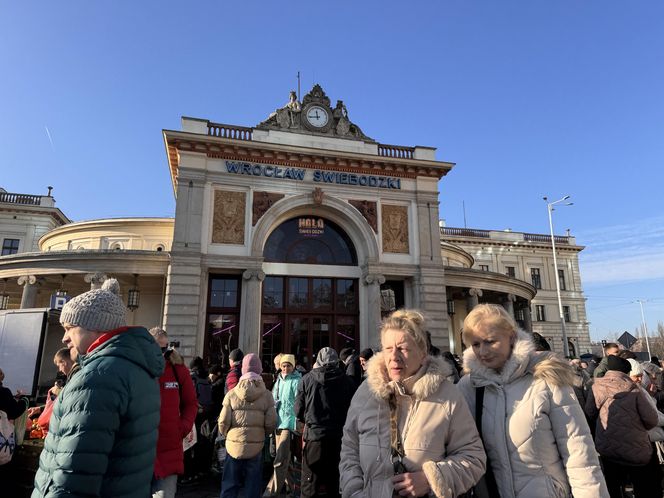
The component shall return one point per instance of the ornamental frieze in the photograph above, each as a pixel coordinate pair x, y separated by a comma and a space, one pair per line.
395, 229
262, 202
368, 210
228, 219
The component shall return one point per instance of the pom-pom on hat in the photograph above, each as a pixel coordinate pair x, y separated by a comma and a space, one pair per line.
98, 310
251, 367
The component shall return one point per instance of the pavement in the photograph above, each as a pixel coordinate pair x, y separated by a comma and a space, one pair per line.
206, 487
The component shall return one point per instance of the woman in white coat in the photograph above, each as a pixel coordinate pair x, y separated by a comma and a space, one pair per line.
535, 433
408, 430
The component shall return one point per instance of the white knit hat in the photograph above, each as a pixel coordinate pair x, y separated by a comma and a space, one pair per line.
99, 310
637, 369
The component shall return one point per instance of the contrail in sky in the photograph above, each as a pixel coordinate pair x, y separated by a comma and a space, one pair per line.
48, 134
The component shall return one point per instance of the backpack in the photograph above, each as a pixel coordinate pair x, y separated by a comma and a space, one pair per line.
204, 391
7, 439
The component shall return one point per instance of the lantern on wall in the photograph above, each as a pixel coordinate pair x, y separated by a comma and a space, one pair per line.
4, 297
134, 295
450, 307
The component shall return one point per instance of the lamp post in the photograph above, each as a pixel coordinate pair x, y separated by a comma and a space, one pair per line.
645, 325
549, 208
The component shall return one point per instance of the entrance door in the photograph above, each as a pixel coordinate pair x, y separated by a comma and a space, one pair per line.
307, 334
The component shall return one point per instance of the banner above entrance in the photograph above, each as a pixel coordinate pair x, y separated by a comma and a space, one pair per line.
316, 175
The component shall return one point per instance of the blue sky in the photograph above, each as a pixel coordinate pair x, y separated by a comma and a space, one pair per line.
529, 98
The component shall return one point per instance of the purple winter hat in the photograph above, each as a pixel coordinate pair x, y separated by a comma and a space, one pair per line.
251, 367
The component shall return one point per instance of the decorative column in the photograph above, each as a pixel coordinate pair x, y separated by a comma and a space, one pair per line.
29, 297
508, 304
527, 319
95, 279
373, 281
250, 322
474, 298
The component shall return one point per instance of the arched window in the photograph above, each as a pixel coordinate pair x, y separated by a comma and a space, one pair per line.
310, 240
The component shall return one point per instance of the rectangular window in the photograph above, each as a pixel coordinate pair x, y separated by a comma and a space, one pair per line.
540, 316
510, 271
224, 292
298, 292
567, 314
273, 292
322, 293
484, 267
561, 279
9, 246
536, 278
346, 295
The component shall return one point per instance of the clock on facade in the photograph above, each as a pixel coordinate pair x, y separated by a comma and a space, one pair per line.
317, 116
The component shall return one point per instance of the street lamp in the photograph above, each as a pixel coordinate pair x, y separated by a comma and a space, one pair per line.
645, 325
549, 208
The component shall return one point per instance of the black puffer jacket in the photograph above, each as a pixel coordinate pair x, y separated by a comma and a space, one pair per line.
322, 401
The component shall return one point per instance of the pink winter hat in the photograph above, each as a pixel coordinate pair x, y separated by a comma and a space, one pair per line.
251, 367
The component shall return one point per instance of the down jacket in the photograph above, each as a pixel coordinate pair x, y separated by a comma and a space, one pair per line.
624, 416
438, 434
534, 430
178, 412
247, 416
103, 431
284, 392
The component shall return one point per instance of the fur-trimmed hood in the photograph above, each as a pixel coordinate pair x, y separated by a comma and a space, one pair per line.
434, 370
524, 359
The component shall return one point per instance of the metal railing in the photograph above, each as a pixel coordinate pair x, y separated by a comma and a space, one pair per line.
546, 239
229, 131
397, 151
464, 232
31, 200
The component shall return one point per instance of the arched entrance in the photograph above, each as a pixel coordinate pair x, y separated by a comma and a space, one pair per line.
311, 298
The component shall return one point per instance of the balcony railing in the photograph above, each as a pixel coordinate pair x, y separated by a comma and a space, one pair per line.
26, 199
536, 237
464, 232
229, 131
397, 151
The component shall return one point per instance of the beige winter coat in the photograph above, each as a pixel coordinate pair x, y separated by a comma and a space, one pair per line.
534, 430
438, 434
247, 416
624, 415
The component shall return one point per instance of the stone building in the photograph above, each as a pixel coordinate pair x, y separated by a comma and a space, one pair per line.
291, 235
525, 258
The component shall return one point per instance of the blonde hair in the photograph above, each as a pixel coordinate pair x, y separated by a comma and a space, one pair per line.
488, 315
410, 321
158, 332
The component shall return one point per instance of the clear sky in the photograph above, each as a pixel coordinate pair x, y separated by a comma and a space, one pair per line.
529, 98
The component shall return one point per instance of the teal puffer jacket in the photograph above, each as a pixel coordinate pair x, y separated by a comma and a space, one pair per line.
103, 432
284, 392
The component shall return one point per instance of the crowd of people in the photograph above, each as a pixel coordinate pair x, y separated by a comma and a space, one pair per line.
512, 419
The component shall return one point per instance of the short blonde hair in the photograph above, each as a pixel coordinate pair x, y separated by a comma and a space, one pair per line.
488, 315
410, 321
158, 332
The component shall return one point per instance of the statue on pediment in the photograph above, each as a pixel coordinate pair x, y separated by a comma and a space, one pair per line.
314, 115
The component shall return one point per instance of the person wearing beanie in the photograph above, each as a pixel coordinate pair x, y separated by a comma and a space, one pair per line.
177, 414
235, 359
247, 416
284, 392
351, 364
103, 431
322, 402
623, 415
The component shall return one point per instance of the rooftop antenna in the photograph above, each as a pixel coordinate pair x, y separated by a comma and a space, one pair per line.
463, 203
298, 86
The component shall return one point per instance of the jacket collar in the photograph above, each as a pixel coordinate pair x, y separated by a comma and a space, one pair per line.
432, 373
523, 360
